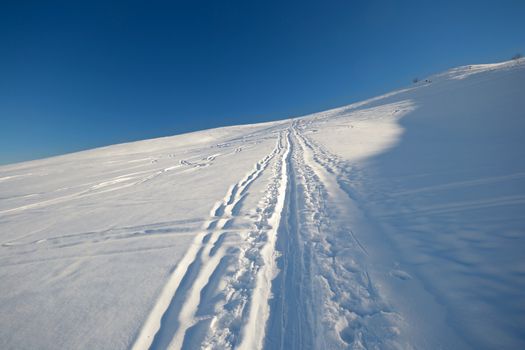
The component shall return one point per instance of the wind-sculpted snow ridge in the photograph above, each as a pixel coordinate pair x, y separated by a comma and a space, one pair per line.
392, 223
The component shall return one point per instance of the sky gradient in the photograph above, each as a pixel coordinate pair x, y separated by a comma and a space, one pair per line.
77, 75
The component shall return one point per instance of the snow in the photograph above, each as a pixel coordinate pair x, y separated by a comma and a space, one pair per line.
392, 223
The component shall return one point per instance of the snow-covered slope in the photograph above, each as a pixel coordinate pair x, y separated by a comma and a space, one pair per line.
397, 222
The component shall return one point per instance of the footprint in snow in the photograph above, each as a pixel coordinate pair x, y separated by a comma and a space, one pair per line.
402, 275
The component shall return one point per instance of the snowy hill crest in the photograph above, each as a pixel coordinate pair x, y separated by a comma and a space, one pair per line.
392, 223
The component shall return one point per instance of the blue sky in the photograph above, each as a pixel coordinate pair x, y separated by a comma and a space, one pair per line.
81, 74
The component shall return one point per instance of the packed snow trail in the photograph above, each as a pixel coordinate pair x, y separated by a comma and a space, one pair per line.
324, 297
291, 270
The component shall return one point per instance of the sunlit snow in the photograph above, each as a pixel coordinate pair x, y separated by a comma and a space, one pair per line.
393, 223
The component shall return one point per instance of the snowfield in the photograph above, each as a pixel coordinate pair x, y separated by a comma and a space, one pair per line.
393, 223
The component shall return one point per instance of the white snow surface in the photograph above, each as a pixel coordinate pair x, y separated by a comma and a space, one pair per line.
393, 223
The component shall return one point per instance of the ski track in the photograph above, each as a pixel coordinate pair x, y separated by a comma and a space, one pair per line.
176, 309
292, 275
296, 278
122, 181
352, 308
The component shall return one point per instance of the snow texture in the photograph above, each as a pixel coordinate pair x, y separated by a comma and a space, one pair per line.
393, 223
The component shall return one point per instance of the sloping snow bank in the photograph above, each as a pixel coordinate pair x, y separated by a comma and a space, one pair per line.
397, 222
446, 189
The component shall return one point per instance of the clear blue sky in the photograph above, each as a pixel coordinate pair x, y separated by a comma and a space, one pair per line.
81, 74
